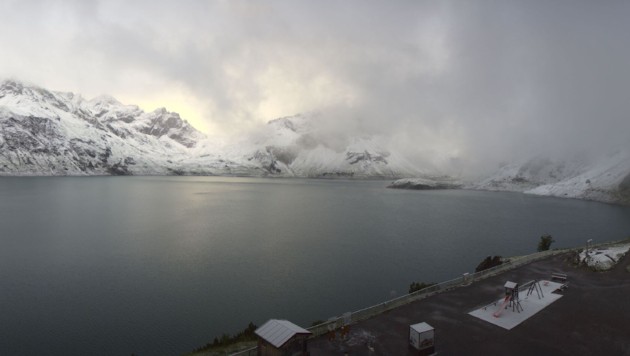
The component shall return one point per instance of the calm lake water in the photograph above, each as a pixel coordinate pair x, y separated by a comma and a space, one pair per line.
162, 265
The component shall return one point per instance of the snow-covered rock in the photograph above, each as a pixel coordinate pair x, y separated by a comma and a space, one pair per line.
604, 258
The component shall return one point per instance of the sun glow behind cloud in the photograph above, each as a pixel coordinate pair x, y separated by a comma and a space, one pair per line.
187, 107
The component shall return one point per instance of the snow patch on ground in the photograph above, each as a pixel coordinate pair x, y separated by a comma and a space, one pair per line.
603, 258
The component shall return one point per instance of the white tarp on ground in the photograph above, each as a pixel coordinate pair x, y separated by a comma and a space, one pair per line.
508, 319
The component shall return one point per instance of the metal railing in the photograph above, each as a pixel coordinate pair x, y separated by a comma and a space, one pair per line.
249, 352
366, 313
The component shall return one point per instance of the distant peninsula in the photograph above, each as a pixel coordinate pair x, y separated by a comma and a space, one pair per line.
432, 183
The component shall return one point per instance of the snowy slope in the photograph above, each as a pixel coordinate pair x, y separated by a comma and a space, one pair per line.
603, 178
52, 133
607, 179
528, 174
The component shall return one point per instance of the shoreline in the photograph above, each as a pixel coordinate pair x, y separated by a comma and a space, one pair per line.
445, 186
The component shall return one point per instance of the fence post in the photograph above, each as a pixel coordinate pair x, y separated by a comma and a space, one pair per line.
465, 279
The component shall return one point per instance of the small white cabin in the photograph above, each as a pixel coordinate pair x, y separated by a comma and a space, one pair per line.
422, 338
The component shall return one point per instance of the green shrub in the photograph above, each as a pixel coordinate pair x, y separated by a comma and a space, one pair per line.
246, 334
545, 243
489, 262
416, 286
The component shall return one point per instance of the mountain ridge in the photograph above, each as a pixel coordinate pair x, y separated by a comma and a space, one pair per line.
58, 133
55, 133
45, 132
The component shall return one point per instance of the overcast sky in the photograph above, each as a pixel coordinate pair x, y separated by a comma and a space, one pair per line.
458, 80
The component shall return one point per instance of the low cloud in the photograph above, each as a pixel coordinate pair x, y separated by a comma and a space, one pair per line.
455, 85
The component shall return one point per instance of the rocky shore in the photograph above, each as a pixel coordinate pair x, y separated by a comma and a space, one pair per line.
426, 183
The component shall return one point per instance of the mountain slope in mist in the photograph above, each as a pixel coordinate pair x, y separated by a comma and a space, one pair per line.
297, 147
604, 177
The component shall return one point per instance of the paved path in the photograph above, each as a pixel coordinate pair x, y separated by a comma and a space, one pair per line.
592, 318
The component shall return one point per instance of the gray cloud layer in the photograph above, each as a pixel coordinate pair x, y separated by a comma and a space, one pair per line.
448, 81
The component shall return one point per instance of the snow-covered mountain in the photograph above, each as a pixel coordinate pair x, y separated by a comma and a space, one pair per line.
297, 147
605, 177
53, 133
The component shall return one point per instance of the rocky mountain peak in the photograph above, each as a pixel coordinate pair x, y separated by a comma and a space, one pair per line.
299, 123
31, 98
10, 86
105, 100
161, 122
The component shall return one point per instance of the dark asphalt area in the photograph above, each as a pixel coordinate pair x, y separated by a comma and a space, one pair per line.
592, 318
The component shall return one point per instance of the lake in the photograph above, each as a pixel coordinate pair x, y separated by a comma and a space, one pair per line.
162, 265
